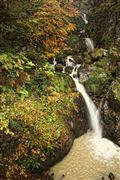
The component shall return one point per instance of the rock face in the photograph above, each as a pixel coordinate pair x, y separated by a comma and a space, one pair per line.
111, 112
111, 122
102, 83
103, 77
114, 95
104, 22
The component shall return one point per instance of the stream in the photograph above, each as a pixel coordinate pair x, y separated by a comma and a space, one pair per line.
91, 157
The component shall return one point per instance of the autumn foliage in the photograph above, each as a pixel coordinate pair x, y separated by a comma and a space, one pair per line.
32, 97
42, 24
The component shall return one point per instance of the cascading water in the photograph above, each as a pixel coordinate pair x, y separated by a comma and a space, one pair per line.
54, 63
91, 157
88, 41
94, 115
83, 15
70, 61
63, 71
89, 44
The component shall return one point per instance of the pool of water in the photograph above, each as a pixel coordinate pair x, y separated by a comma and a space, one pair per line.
90, 158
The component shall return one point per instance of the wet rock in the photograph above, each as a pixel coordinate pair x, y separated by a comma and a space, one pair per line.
83, 77
78, 59
50, 60
111, 176
59, 67
69, 69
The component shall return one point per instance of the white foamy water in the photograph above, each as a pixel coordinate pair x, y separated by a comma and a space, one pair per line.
104, 148
70, 61
90, 158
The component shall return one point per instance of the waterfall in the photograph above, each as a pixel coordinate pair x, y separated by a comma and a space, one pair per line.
83, 15
89, 44
54, 63
88, 41
63, 71
94, 115
91, 156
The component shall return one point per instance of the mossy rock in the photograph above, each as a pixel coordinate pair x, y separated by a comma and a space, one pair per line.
114, 95
103, 63
97, 54
78, 58
97, 81
69, 69
87, 58
59, 67
94, 56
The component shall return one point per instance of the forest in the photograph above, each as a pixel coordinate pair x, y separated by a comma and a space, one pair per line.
41, 112
32, 33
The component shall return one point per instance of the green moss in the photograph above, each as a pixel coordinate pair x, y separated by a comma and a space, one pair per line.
97, 81
62, 83
116, 90
98, 53
87, 58
102, 63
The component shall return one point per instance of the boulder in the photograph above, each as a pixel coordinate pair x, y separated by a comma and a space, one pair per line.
98, 53
97, 80
59, 67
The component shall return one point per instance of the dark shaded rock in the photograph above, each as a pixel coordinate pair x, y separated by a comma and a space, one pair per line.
59, 67
69, 69
78, 58
98, 53
61, 59
97, 77
107, 30
79, 123
111, 176
50, 60
111, 122
114, 95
